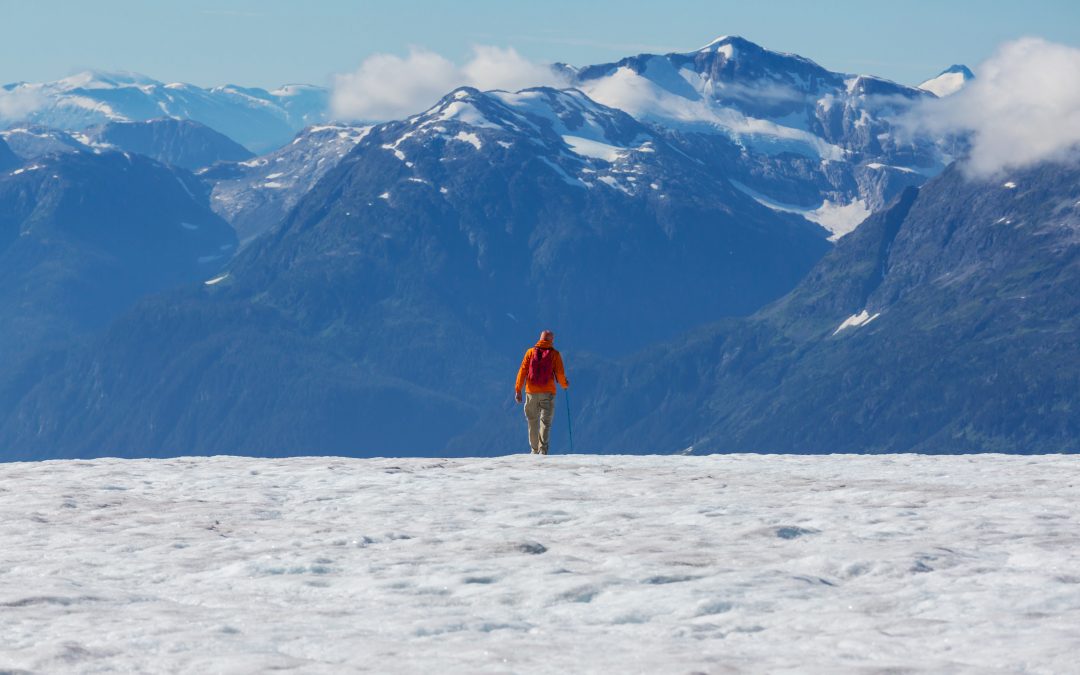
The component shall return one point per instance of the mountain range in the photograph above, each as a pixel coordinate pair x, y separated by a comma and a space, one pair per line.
404, 271
946, 323
181, 143
255, 195
739, 248
259, 119
84, 236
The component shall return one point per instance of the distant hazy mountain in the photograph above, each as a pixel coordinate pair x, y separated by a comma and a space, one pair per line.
183, 143
258, 119
83, 236
30, 142
394, 300
949, 81
255, 195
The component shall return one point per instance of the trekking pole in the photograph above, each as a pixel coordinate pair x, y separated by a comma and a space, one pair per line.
569, 427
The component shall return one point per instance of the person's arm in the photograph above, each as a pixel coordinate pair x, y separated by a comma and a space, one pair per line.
560, 373
522, 372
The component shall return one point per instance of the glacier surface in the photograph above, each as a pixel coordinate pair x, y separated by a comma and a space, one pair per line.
732, 564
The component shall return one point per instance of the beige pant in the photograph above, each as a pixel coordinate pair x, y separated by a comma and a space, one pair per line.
539, 410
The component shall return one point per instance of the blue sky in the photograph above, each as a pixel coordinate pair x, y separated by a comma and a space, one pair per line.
271, 42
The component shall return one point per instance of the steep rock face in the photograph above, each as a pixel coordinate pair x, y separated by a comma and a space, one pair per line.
392, 303
947, 323
8, 159
183, 143
254, 195
82, 236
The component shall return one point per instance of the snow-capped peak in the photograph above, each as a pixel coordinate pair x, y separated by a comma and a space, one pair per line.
531, 112
951, 80
731, 46
98, 79
730, 43
715, 43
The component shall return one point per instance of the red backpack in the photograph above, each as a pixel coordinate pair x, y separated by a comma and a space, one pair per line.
541, 366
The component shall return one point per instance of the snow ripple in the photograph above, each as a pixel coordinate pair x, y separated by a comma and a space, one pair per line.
553, 564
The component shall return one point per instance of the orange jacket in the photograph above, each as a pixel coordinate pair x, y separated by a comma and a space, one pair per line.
523, 372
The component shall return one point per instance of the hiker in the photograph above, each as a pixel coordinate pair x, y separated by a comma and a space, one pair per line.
540, 368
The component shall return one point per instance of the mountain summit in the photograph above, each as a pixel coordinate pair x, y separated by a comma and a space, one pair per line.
949, 81
799, 137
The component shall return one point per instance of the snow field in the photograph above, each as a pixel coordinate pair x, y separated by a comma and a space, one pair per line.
528, 564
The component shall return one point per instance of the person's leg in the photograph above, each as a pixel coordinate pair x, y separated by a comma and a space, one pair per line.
547, 413
532, 413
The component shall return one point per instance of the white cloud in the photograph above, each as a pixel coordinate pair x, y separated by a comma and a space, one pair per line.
1022, 108
386, 86
497, 68
19, 102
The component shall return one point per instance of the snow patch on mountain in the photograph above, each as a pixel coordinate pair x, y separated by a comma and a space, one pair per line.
855, 320
595, 149
878, 165
470, 138
838, 218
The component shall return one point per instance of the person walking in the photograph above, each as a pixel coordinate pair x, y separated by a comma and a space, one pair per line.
541, 368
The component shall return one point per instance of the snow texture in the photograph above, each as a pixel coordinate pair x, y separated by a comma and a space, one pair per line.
529, 564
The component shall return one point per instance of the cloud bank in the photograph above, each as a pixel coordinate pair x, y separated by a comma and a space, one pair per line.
386, 86
17, 103
1023, 108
